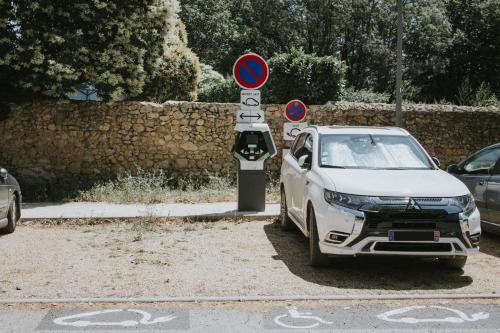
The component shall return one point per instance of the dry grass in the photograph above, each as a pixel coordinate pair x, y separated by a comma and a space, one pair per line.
157, 187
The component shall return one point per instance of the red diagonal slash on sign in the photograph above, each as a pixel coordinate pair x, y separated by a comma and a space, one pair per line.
244, 65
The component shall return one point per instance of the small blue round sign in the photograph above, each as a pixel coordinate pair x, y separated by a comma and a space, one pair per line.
295, 111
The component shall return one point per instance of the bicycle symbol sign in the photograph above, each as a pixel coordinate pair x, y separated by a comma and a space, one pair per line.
295, 111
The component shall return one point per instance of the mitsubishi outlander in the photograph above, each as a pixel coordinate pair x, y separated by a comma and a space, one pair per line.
375, 191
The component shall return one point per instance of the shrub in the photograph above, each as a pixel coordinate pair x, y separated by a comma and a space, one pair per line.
313, 79
484, 96
226, 91
365, 96
176, 77
209, 76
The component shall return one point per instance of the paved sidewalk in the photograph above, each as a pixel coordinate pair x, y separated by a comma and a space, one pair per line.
78, 210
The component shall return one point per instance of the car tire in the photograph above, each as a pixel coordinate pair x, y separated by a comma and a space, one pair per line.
286, 222
11, 217
316, 257
453, 263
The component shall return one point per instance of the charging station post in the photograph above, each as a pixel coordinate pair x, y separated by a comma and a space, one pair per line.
254, 143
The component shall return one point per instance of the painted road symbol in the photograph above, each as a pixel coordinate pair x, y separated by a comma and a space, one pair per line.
291, 130
295, 111
294, 315
458, 318
250, 71
91, 320
114, 319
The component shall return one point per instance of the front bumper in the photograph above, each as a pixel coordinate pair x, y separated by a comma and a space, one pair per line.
445, 247
358, 233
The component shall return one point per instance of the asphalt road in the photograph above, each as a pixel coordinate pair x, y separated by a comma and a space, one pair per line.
456, 316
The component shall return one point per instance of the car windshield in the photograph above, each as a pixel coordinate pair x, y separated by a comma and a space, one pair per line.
362, 151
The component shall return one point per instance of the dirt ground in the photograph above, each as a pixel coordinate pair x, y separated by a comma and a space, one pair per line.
225, 258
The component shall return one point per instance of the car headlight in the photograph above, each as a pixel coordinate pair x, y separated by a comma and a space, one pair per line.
346, 200
465, 202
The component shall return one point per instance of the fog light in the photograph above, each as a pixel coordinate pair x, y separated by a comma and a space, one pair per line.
336, 237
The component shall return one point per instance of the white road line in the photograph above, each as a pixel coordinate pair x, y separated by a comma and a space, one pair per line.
174, 299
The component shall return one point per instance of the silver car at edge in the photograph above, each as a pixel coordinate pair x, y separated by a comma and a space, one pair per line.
10, 202
481, 173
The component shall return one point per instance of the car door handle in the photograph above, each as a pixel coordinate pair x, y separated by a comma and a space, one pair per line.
307, 182
481, 182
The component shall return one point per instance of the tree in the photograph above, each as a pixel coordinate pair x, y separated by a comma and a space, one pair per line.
475, 52
7, 46
211, 30
121, 47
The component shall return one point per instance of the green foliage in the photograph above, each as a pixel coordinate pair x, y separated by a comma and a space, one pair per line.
484, 96
209, 76
313, 79
365, 96
444, 41
211, 29
120, 46
222, 92
7, 46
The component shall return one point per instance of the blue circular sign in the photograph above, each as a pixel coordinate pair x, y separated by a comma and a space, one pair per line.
250, 71
295, 111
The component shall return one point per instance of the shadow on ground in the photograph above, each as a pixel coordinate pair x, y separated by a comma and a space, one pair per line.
388, 273
490, 244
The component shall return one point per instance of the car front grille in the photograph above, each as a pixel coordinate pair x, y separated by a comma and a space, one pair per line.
395, 217
412, 247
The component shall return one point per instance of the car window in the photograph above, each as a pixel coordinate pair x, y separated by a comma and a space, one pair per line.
298, 145
304, 147
496, 169
364, 151
482, 162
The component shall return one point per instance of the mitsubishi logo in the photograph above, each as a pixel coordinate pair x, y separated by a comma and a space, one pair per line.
412, 205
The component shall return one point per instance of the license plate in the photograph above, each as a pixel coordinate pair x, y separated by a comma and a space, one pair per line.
414, 235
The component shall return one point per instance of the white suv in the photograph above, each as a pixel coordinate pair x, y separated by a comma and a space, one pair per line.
375, 191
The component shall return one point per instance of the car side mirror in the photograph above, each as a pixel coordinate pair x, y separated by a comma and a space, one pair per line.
3, 173
304, 162
453, 168
436, 161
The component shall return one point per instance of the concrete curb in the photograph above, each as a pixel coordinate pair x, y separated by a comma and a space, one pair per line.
103, 210
192, 299
200, 218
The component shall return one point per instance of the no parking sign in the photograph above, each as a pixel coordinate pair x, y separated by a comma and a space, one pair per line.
250, 71
295, 112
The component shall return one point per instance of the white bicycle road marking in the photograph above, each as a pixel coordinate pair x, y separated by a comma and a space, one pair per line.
295, 314
145, 320
459, 319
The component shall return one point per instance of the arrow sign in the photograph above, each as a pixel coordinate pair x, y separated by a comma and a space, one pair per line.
254, 116
243, 116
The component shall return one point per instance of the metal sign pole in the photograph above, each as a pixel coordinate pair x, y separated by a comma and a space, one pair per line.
399, 65
254, 143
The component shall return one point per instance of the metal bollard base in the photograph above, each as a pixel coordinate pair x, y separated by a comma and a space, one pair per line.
251, 190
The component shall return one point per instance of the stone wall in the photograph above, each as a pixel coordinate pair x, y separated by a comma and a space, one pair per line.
47, 142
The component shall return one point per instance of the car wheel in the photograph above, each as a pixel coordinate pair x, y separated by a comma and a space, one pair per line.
12, 217
453, 263
286, 222
316, 258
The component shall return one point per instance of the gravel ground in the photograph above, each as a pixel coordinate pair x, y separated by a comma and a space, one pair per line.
225, 258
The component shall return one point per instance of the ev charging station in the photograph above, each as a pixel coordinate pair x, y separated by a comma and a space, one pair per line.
254, 143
